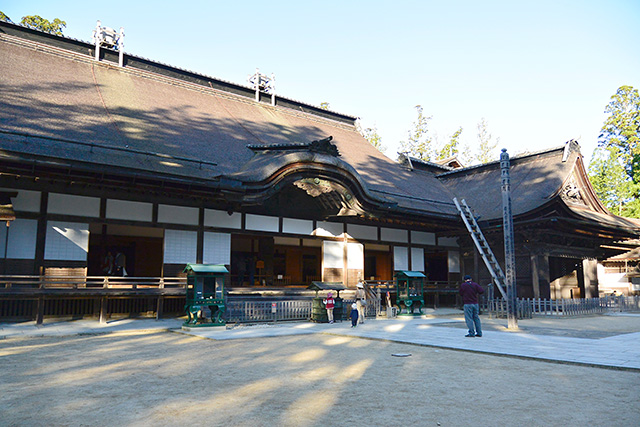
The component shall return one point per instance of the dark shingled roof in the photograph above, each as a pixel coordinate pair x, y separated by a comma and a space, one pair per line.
59, 105
64, 105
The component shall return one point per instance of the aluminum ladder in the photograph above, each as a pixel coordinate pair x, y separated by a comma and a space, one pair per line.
481, 243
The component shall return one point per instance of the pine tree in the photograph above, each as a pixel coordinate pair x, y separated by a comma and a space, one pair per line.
614, 169
419, 144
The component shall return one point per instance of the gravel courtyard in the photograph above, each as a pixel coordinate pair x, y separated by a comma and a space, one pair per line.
167, 378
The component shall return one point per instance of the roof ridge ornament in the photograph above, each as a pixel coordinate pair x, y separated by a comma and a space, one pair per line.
261, 82
108, 37
569, 146
322, 146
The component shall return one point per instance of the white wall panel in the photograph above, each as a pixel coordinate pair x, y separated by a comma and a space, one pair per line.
286, 241
423, 238
329, 229
448, 241
417, 259
332, 254
454, 262
217, 248
400, 258
67, 241
25, 201
214, 218
297, 226
22, 239
68, 204
376, 247
312, 243
178, 214
262, 223
355, 256
133, 211
180, 247
362, 231
394, 235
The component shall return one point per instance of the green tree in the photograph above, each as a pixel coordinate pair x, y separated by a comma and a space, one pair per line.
39, 23
611, 183
4, 17
451, 148
621, 128
419, 143
371, 135
614, 169
486, 145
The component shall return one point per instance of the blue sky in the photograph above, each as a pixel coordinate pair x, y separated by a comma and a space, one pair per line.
540, 73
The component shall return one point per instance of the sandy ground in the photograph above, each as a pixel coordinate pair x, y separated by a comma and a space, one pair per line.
166, 378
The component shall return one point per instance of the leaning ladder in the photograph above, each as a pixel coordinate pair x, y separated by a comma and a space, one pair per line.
482, 245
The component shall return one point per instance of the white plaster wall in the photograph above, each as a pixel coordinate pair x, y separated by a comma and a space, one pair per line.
297, 226
133, 211
423, 238
400, 258
262, 223
328, 229
355, 256
417, 259
180, 247
332, 254
177, 215
25, 201
454, 262
394, 235
22, 239
362, 231
67, 241
448, 241
68, 204
214, 218
217, 248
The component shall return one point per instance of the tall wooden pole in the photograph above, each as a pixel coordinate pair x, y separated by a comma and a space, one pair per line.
509, 248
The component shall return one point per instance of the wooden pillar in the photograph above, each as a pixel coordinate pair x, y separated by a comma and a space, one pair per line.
476, 264
40, 310
103, 310
540, 276
41, 234
159, 307
535, 276
345, 265
590, 271
200, 238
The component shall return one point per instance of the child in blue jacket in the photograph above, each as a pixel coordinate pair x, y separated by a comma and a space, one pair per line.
354, 315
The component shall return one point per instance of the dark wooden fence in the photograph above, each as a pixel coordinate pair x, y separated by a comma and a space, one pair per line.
36, 297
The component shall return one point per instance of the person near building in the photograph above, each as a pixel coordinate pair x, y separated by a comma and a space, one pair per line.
469, 290
354, 315
329, 304
361, 301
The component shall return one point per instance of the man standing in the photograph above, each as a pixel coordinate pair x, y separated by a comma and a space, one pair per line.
469, 291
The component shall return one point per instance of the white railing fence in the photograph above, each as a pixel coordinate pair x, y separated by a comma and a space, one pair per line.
528, 307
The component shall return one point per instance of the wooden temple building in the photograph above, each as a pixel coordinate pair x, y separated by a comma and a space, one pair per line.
113, 165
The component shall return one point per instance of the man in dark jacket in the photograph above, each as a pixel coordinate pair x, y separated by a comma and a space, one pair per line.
469, 291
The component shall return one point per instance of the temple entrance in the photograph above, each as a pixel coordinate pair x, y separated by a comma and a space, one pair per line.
121, 250
274, 261
377, 262
436, 266
566, 278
